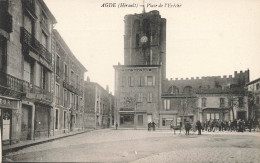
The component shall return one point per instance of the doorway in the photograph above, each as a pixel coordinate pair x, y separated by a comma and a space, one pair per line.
241, 115
64, 121
26, 124
140, 120
6, 121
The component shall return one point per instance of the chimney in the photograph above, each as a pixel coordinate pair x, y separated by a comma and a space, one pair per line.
107, 88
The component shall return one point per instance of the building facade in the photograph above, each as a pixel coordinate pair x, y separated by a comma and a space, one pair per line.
206, 98
26, 68
69, 82
138, 81
253, 88
99, 106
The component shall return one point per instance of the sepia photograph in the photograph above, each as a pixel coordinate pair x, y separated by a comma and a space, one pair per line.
142, 81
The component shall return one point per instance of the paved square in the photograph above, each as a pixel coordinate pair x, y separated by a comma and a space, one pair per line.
143, 146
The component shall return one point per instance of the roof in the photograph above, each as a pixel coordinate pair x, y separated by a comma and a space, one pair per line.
252, 82
67, 49
48, 11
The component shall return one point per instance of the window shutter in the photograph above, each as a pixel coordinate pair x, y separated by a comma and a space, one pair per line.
145, 81
142, 81
153, 80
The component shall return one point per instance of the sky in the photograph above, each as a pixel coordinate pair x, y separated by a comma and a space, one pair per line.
204, 37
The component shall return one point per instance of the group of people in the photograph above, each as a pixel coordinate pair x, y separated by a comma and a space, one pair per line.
188, 126
151, 125
236, 125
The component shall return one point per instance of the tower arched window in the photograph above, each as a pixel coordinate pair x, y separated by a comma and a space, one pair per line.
173, 90
187, 90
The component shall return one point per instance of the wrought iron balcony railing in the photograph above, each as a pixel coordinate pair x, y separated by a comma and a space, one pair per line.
29, 42
72, 88
29, 6
41, 94
11, 82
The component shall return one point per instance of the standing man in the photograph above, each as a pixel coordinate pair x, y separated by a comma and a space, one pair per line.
116, 125
198, 124
153, 124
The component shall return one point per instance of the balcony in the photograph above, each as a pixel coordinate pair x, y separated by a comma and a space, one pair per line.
14, 87
6, 22
71, 88
28, 5
37, 93
29, 42
10, 85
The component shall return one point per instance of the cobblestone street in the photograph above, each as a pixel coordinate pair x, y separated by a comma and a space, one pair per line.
142, 146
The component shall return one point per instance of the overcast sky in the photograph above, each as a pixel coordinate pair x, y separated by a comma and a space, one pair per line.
204, 37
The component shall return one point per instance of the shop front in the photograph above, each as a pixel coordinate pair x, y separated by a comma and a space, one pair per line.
9, 114
215, 114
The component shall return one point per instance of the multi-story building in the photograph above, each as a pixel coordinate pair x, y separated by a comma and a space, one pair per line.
99, 106
26, 66
68, 81
143, 94
253, 88
206, 98
138, 81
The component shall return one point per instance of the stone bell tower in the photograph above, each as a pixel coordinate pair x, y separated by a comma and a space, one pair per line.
145, 40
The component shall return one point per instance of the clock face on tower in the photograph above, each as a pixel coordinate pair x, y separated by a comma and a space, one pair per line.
144, 39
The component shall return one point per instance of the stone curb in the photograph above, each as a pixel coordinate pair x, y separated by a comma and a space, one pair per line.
14, 149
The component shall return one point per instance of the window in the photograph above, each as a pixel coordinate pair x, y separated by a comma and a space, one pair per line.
130, 81
28, 24
44, 19
56, 118
65, 98
257, 86
167, 104
57, 90
187, 90
2, 53
203, 102
72, 78
240, 102
77, 102
149, 80
140, 81
58, 65
77, 81
208, 116
212, 116
222, 102
137, 40
27, 71
163, 121
44, 40
173, 90
216, 115
81, 103
44, 76
66, 71
123, 81
140, 97
150, 97
72, 101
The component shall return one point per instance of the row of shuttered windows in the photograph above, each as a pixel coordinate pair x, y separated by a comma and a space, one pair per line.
139, 81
